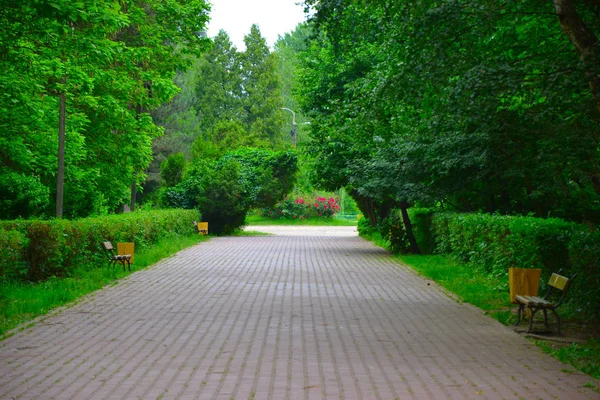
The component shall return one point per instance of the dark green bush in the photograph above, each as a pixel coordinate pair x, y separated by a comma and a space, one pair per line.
364, 226
226, 189
420, 219
12, 254
397, 235
36, 250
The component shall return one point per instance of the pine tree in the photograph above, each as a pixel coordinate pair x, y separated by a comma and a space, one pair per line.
262, 85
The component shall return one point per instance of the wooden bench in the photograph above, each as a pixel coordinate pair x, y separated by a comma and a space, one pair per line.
114, 258
535, 303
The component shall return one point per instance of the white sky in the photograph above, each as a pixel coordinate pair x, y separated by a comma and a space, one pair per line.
274, 17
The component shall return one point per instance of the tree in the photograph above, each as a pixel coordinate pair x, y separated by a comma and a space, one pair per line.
474, 105
287, 49
219, 92
172, 169
261, 86
111, 62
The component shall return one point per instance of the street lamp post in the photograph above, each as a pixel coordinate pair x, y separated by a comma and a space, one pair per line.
293, 124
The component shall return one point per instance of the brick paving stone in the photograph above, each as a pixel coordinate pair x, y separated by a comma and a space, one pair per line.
310, 313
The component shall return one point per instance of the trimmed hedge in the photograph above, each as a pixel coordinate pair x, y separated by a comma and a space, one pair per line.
491, 244
35, 250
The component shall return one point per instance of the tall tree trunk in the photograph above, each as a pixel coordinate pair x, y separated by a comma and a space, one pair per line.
414, 247
584, 40
60, 174
366, 205
133, 192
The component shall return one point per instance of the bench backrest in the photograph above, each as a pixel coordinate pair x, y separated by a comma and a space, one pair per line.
107, 246
559, 282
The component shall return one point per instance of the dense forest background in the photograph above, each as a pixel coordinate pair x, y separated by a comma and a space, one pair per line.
465, 105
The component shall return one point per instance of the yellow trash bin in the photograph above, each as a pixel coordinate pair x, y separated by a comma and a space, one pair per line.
203, 228
523, 282
126, 248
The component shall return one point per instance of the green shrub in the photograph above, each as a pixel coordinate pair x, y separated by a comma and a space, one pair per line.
226, 189
584, 254
12, 254
36, 250
364, 226
21, 195
421, 219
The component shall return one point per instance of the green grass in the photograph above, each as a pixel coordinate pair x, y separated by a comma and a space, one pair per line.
583, 357
481, 291
250, 233
314, 221
22, 302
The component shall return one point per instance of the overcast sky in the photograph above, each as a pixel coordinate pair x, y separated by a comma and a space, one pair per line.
274, 17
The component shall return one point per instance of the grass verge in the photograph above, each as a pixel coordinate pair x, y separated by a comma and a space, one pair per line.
583, 357
314, 221
250, 233
22, 302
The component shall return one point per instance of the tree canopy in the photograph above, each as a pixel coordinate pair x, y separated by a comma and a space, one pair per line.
113, 61
471, 105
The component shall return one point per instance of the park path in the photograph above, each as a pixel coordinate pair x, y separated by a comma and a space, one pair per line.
306, 314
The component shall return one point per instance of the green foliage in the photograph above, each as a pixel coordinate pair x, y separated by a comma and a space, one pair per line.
12, 254
172, 169
229, 99
397, 233
262, 90
224, 136
477, 106
21, 195
114, 62
224, 198
364, 227
56, 247
492, 244
584, 357
226, 189
421, 219
312, 221
481, 291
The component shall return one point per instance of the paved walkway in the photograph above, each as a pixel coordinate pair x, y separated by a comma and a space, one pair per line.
278, 317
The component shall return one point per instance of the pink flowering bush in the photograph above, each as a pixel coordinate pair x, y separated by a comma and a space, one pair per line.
287, 209
324, 207
302, 208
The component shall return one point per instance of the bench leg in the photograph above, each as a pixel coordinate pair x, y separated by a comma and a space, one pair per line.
557, 320
128, 264
546, 318
519, 313
532, 312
